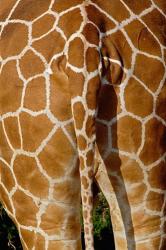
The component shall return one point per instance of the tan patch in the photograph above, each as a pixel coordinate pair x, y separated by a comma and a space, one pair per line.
91, 34
35, 96
76, 53
136, 194
10, 88
6, 176
89, 158
34, 130
111, 8
138, 6
152, 75
34, 181
55, 158
157, 176
98, 18
161, 103
102, 137
137, 99
82, 143
42, 25
4, 198
155, 201
12, 130
84, 182
70, 22
156, 23
40, 242
31, 64
154, 146
73, 223
67, 191
60, 6
145, 224
25, 216
131, 171
53, 219
47, 45
92, 92
142, 39
92, 59
13, 39
79, 114
126, 134
29, 10
5, 150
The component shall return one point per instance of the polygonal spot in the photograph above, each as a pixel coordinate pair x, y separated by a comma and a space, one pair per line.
76, 53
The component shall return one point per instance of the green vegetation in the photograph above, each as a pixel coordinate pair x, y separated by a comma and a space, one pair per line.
9, 239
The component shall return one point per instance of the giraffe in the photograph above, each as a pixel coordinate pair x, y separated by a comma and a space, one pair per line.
66, 65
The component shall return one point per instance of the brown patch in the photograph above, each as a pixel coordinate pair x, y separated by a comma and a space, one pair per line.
55, 158
161, 103
142, 39
70, 22
152, 75
82, 143
42, 25
53, 219
6, 8
161, 4
73, 228
13, 39
155, 201
138, 6
29, 10
111, 8
92, 92
40, 242
28, 237
67, 191
157, 176
90, 126
33, 181
98, 18
5, 150
92, 59
91, 34
140, 190
31, 64
60, 6
10, 88
4, 198
6, 176
34, 130
60, 97
84, 182
76, 53
137, 99
35, 96
21, 202
126, 134
102, 137
79, 114
157, 24
51, 44
12, 130
155, 143
89, 158
76, 82
82, 165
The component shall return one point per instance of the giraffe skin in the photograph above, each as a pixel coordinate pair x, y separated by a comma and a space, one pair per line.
61, 62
